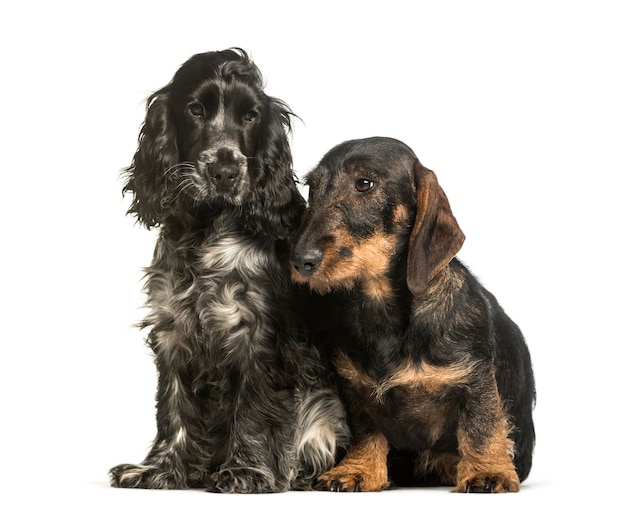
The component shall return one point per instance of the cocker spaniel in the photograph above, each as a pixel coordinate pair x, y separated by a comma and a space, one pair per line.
242, 403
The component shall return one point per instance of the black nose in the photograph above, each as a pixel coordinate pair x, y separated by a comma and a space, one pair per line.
306, 260
223, 173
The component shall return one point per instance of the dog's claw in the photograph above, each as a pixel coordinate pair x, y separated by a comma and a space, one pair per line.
339, 486
489, 486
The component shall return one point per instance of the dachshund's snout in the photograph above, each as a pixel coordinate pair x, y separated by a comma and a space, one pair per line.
306, 259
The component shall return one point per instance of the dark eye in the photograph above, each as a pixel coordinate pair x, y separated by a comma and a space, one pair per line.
196, 109
363, 184
250, 116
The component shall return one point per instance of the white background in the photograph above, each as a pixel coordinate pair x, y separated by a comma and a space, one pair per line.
520, 108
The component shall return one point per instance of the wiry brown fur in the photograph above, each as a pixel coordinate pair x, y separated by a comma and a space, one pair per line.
436, 377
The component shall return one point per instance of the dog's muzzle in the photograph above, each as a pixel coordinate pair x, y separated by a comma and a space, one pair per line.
225, 169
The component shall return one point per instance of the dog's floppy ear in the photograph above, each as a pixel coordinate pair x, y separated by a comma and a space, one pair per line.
157, 151
436, 236
277, 205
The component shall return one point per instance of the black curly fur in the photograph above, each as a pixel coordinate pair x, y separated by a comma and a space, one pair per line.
242, 402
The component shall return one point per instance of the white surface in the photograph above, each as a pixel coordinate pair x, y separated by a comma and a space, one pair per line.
518, 108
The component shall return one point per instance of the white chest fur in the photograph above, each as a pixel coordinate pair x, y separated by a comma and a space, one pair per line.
225, 303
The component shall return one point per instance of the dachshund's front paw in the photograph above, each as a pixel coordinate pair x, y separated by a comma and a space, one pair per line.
342, 479
489, 483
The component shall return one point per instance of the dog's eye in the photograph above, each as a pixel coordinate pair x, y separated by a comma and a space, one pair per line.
196, 109
363, 184
250, 116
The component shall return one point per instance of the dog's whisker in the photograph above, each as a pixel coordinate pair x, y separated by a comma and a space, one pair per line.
185, 186
180, 166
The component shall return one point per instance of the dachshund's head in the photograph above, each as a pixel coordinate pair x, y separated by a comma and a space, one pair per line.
212, 139
374, 211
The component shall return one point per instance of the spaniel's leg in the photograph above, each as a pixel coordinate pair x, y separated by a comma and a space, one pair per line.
261, 445
176, 458
322, 430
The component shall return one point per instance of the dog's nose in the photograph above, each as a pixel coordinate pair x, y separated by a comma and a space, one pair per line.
223, 173
306, 260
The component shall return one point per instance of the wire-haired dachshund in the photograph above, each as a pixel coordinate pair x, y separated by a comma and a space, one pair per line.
437, 379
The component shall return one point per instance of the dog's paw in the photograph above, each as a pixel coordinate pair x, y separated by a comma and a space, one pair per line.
489, 483
244, 480
143, 476
340, 480
130, 476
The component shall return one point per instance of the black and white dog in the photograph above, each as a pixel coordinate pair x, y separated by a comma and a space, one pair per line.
242, 401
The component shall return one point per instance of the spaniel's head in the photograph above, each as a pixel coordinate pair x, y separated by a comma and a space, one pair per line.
212, 139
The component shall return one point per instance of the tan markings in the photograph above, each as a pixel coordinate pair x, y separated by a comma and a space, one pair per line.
378, 289
401, 216
348, 262
348, 370
363, 469
491, 463
429, 378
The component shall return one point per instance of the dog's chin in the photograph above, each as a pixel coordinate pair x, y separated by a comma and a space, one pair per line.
320, 283
228, 200
227, 196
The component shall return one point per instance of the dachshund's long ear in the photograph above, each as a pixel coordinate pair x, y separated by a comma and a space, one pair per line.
157, 151
436, 236
277, 204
